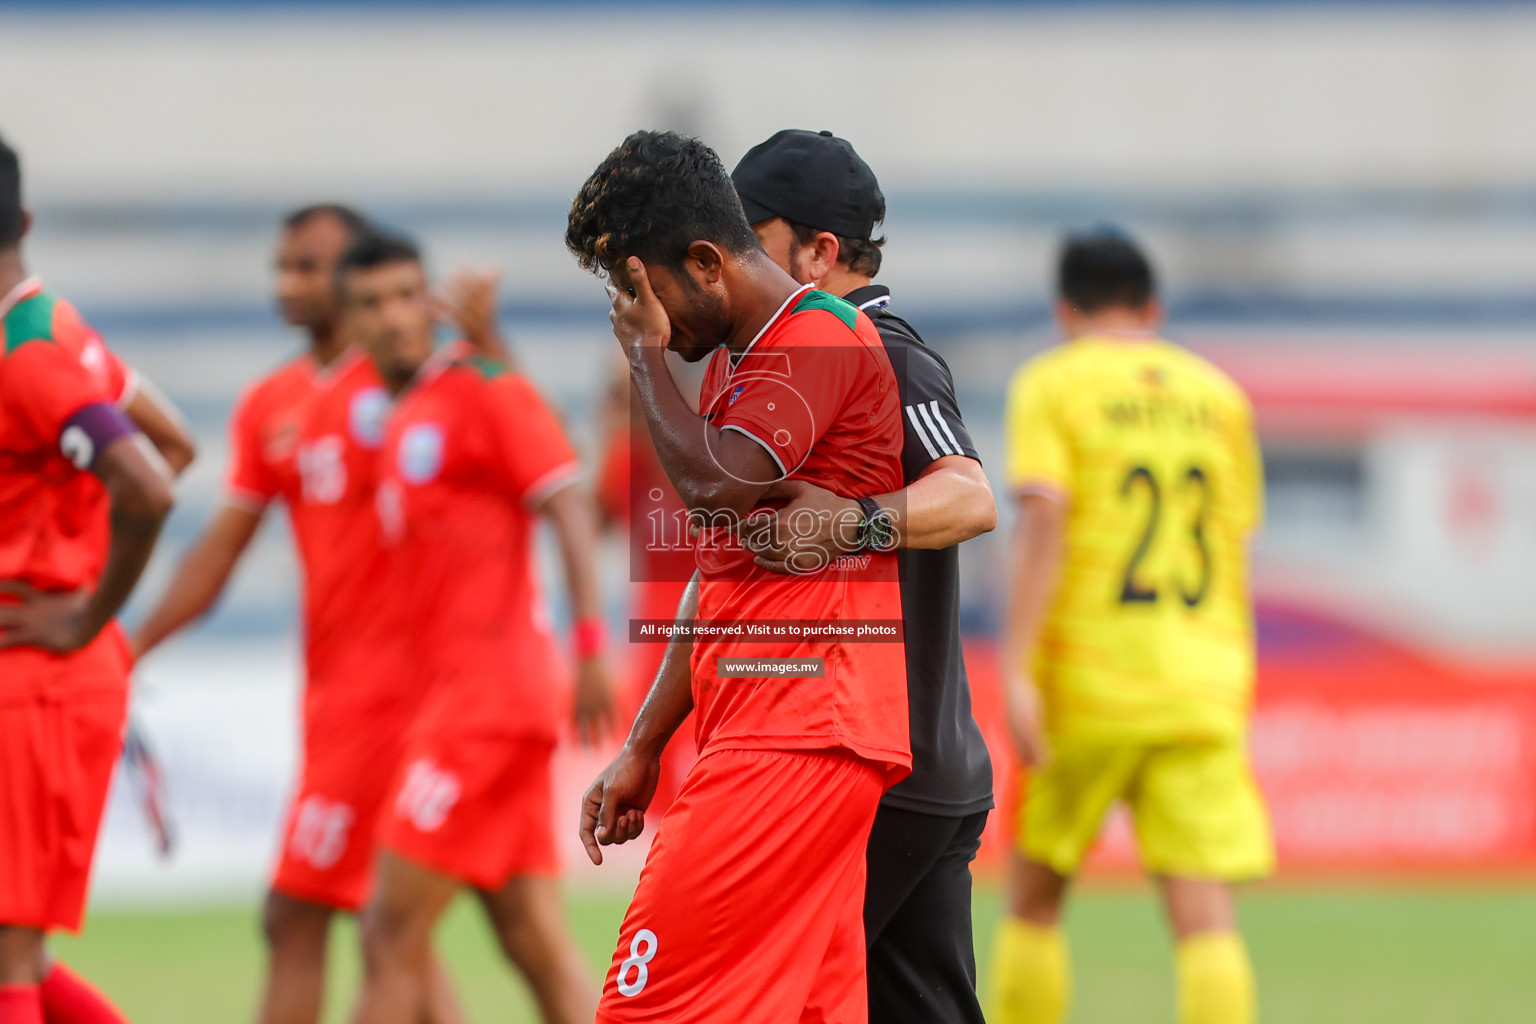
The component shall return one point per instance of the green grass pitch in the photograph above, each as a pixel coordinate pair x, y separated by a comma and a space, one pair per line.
1325, 955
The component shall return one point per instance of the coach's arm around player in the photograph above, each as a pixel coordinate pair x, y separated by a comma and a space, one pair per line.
949, 504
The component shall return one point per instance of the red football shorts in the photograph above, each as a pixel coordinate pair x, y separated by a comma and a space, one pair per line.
345, 782
61, 730
476, 808
751, 904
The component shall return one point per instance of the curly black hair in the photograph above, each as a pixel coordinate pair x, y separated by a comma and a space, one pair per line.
652, 197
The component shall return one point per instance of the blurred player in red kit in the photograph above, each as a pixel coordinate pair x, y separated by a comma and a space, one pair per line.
82, 496
326, 482
750, 906
471, 458
635, 497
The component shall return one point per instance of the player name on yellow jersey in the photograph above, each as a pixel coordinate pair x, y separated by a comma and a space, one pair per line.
1172, 413
1150, 634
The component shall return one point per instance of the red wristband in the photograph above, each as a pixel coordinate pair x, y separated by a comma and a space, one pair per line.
588, 637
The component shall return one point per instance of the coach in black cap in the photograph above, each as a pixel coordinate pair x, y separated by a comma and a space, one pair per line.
813, 179
815, 207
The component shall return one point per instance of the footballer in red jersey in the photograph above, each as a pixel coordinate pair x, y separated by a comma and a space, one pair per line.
472, 458
352, 655
82, 496
750, 906
324, 479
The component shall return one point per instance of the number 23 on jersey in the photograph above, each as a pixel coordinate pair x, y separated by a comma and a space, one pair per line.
1190, 499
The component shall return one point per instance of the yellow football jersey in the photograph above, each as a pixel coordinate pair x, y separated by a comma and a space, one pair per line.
1150, 634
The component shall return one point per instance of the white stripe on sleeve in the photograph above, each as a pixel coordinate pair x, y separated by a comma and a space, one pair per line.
938, 414
938, 438
766, 446
550, 484
917, 425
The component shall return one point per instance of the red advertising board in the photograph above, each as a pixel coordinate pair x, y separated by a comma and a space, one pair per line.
1371, 758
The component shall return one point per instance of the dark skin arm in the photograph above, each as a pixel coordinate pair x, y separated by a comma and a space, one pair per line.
162, 423
468, 301
141, 498
613, 810
200, 578
570, 513
714, 470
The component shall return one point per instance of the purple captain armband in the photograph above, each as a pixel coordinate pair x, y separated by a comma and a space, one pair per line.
87, 433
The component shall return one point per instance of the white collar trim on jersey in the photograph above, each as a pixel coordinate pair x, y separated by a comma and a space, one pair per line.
441, 358
343, 362
735, 360
21, 291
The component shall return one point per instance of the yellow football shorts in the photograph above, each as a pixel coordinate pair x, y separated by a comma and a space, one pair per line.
1197, 811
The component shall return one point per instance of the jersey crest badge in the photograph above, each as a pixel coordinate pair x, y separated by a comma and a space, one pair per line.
93, 356
281, 441
421, 453
370, 407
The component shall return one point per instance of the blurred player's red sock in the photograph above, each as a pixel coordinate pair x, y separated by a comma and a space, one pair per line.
20, 1004
68, 998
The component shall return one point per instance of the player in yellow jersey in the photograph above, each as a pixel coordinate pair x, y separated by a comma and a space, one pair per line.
1127, 648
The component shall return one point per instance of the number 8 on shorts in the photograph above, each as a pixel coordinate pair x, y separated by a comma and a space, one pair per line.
641, 951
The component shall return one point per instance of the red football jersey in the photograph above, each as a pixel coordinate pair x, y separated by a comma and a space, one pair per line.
264, 433
470, 454
52, 365
310, 436
352, 650
817, 390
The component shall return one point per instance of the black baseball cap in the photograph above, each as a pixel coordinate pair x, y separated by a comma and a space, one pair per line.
811, 178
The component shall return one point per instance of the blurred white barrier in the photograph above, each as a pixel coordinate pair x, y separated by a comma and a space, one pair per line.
222, 716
